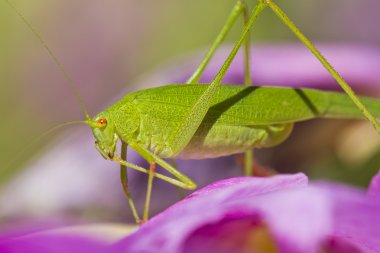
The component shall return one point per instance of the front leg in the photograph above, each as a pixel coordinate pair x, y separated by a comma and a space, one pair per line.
124, 182
183, 181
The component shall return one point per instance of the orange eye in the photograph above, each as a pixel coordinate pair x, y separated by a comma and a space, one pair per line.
102, 123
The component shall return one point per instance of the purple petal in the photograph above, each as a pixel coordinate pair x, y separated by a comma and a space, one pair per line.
374, 186
251, 198
250, 186
356, 216
48, 238
280, 214
51, 243
337, 245
246, 234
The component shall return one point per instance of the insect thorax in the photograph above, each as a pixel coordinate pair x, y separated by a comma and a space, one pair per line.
126, 120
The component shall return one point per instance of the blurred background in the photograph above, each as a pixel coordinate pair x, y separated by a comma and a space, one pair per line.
107, 47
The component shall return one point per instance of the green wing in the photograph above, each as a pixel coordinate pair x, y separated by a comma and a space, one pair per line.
238, 105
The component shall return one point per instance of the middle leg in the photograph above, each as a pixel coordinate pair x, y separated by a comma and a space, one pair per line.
152, 172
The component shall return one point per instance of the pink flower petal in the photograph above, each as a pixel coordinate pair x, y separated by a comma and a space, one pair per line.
285, 213
374, 186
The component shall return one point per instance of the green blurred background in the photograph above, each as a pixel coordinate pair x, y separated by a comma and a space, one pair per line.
105, 45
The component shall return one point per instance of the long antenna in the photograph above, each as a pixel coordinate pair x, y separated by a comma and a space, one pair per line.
35, 140
55, 59
54, 128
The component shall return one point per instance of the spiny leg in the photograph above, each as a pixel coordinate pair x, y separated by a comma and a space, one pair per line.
239, 7
183, 134
153, 159
276, 9
247, 69
248, 155
183, 181
152, 171
170, 180
124, 182
260, 170
187, 128
180, 191
248, 163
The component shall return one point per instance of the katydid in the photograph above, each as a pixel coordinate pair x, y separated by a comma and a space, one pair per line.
195, 121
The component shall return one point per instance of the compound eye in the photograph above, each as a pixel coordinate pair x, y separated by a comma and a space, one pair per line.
102, 123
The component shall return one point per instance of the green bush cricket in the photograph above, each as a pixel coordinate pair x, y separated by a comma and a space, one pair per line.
194, 121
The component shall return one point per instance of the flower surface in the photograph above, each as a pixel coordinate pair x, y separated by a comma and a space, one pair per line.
282, 213
277, 214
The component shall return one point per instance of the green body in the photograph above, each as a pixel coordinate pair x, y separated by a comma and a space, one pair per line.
240, 118
194, 121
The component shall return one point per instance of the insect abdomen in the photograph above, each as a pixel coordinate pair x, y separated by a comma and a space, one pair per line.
210, 140
218, 140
